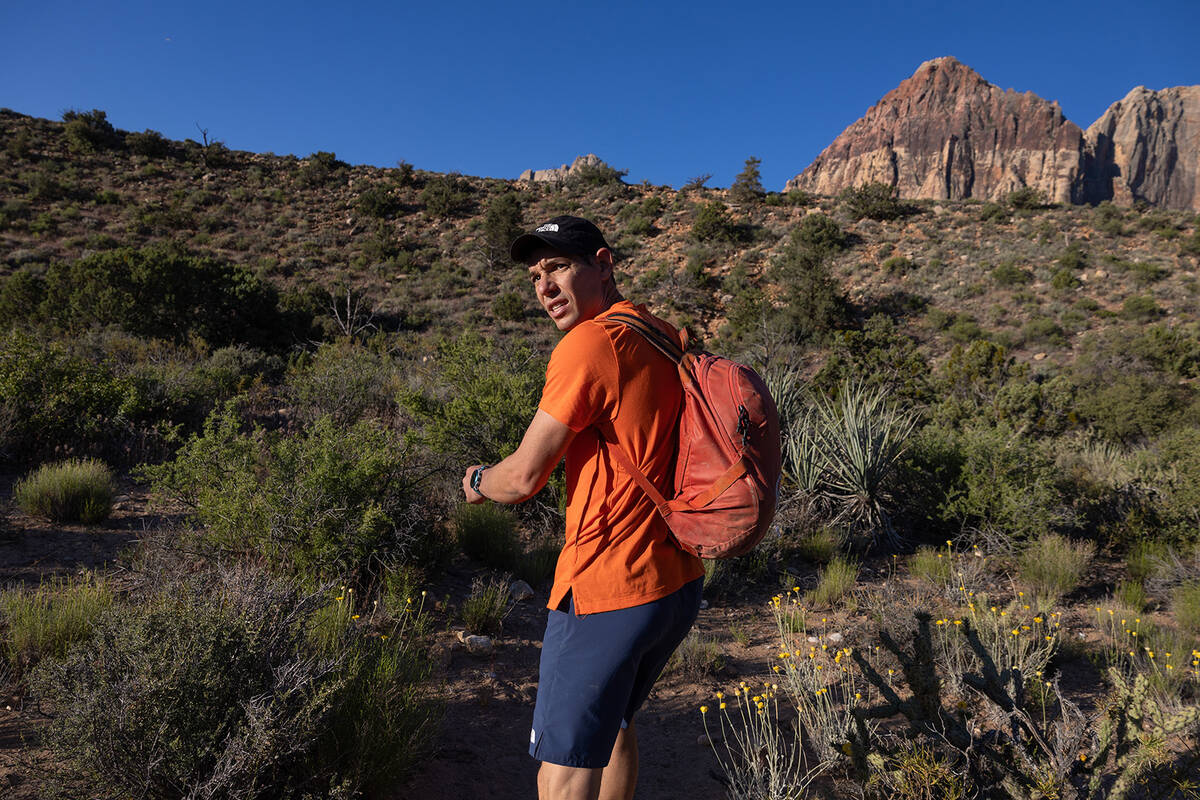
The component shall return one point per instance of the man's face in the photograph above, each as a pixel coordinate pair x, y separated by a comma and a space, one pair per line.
570, 288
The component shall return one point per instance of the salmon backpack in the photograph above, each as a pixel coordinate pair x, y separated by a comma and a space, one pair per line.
728, 465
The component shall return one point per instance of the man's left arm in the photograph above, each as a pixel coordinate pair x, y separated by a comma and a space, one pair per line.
525, 472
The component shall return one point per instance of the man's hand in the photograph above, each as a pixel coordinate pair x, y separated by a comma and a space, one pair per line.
525, 472
470, 494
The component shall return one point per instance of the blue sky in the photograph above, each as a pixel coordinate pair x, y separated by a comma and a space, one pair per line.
667, 90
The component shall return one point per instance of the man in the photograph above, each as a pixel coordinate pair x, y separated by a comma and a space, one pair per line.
624, 594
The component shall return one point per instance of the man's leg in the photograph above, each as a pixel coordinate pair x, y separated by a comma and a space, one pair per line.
614, 782
620, 776
556, 782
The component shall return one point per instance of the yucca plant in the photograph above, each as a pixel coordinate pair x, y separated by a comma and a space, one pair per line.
845, 451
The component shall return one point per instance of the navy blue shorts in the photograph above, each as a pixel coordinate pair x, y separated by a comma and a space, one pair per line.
597, 670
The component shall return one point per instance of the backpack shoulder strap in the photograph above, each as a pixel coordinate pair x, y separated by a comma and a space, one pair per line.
661, 342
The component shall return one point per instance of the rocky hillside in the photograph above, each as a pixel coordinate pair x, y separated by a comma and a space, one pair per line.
948, 134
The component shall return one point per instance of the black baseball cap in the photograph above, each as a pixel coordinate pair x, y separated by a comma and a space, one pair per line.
574, 235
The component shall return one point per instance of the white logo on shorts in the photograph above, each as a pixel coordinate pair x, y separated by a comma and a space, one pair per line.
532, 736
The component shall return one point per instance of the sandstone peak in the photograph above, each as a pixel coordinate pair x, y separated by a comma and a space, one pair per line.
946, 133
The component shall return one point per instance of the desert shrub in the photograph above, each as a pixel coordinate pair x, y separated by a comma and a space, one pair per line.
88, 131
747, 185
213, 689
484, 610
149, 143
834, 582
52, 401
164, 291
1044, 330
509, 306
488, 533
1026, 198
597, 175
1131, 407
877, 201
1053, 565
328, 501
446, 196
478, 399
997, 483
880, 356
713, 224
321, 168
994, 212
1009, 274
44, 622
1185, 603
965, 329
1074, 257
1140, 307
77, 490
820, 232
345, 380
379, 202
1063, 280
898, 265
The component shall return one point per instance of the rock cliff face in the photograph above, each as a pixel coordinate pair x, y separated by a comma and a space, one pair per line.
1146, 147
561, 174
946, 133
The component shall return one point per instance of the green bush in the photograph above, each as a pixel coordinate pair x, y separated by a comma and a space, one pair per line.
213, 689
149, 143
52, 401
67, 491
327, 501
712, 223
1008, 274
446, 196
321, 168
813, 300
345, 380
478, 399
44, 622
1026, 198
379, 202
1063, 280
1140, 307
509, 306
501, 226
898, 265
88, 131
164, 291
931, 564
878, 201
820, 232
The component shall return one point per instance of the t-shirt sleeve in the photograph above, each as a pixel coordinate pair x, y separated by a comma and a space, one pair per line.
581, 379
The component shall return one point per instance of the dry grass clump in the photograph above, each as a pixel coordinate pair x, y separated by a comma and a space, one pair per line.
931, 564
697, 657
1053, 565
44, 622
484, 610
1185, 602
77, 490
834, 582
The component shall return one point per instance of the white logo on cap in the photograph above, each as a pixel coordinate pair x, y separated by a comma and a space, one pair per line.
549, 227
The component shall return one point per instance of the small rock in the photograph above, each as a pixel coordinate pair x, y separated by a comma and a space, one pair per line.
479, 645
1039, 356
520, 590
813, 639
835, 637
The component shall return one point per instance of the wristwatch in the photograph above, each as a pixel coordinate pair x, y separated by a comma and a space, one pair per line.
476, 477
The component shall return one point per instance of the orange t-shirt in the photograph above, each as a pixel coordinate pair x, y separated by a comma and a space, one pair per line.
604, 377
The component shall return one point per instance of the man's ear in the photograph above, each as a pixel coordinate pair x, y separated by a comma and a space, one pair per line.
604, 260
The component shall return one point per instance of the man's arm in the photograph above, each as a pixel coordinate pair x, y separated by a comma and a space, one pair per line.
525, 472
